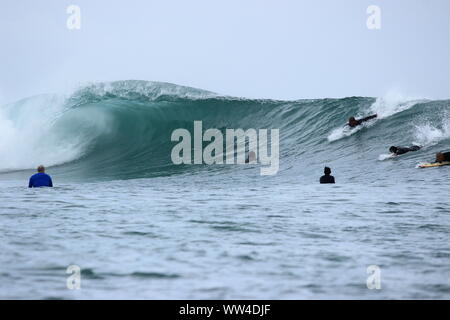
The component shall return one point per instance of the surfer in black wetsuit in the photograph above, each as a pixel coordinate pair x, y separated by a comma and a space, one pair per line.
443, 156
327, 178
352, 122
402, 150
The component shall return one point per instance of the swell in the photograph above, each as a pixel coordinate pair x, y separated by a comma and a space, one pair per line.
122, 130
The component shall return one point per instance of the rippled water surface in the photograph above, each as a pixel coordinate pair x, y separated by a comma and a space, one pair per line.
140, 226
189, 237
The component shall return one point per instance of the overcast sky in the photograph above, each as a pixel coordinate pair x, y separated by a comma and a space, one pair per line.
284, 49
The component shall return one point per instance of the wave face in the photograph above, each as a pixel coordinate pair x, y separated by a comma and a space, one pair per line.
122, 130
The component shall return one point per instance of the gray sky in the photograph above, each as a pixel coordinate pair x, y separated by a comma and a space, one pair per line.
285, 49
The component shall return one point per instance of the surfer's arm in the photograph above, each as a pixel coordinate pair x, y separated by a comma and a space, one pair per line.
369, 117
51, 183
30, 183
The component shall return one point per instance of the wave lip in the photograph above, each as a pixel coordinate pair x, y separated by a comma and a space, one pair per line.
137, 90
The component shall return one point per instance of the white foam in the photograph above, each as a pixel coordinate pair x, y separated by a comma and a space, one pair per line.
344, 131
28, 138
392, 103
428, 135
386, 156
384, 107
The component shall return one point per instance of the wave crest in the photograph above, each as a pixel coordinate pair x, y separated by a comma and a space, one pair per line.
122, 130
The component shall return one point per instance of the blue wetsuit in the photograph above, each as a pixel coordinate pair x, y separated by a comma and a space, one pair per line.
40, 180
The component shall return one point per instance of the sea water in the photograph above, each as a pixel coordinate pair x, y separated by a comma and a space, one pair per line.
140, 227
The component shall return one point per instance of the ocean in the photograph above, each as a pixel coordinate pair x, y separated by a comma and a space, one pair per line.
139, 226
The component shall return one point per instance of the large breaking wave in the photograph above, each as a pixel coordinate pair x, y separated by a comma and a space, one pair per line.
122, 129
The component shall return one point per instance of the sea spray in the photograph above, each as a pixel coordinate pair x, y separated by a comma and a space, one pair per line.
428, 135
390, 104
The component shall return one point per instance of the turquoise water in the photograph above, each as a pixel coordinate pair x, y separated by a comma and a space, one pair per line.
139, 226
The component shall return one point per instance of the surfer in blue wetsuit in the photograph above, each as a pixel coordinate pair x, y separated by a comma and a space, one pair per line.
443, 157
352, 122
40, 179
402, 150
327, 178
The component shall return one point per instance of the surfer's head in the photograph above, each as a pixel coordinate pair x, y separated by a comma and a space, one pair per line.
440, 157
327, 170
393, 149
41, 169
352, 121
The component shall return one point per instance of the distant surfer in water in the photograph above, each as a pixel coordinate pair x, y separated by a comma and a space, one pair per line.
327, 178
40, 179
352, 122
443, 157
402, 150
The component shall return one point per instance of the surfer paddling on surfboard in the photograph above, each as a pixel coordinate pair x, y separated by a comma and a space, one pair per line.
352, 122
442, 159
396, 151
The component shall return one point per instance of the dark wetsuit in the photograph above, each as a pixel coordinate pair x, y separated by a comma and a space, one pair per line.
403, 150
327, 179
360, 121
446, 156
